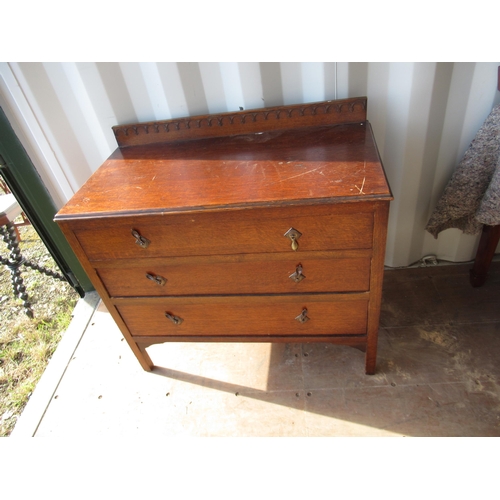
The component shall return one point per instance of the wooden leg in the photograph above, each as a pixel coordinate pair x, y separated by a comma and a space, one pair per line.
376, 279
484, 256
370, 360
143, 358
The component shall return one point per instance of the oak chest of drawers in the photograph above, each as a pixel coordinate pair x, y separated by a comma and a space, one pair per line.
266, 225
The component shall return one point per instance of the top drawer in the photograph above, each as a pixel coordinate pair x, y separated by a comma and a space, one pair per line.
227, 232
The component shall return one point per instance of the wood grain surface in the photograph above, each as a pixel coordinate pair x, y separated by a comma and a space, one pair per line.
248, 315
327, 164
262, 274
351, 110
234, 232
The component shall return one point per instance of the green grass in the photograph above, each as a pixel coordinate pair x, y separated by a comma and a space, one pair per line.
25, 353
26, 345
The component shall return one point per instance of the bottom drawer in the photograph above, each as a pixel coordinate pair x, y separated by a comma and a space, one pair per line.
252, 315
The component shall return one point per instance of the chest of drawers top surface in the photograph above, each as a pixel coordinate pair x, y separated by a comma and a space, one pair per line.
312, 163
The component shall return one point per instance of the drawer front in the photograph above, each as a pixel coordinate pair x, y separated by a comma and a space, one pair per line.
289, 274
248, 316
224, 233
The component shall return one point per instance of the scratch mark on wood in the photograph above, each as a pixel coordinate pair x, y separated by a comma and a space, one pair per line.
362, 186
278, 170
299, 175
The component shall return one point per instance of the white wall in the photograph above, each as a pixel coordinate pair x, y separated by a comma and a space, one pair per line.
424, 116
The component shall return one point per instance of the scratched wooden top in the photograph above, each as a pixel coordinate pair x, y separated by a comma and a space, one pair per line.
335, 163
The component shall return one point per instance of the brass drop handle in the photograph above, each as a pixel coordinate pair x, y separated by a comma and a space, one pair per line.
140, 240
159, 280
294, 235
302, 317
297, 276
174, 319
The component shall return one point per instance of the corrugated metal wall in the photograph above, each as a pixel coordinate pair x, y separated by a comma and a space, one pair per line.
424, 116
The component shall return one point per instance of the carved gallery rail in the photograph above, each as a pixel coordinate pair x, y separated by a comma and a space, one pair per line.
264, 226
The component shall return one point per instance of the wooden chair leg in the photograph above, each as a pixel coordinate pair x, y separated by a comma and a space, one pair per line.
487, 245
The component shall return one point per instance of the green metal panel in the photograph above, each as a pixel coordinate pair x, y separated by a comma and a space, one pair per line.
27, 186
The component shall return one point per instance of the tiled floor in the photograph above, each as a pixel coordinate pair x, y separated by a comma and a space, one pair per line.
438, 374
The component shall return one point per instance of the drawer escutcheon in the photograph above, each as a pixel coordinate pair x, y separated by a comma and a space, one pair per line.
159, 280
294, 235
140, 240
174, 319
302, 317
297, 276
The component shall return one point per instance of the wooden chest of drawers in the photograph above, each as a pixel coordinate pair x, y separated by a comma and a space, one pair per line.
266, 225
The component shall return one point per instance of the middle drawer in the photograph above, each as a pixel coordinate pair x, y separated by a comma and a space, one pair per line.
241, 274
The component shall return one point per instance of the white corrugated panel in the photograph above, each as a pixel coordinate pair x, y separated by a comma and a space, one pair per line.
424, 116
